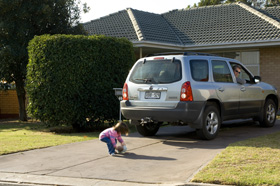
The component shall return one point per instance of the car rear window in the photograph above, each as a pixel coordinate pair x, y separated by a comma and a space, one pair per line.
157, 71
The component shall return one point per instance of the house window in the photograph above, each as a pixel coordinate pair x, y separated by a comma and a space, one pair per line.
250, 59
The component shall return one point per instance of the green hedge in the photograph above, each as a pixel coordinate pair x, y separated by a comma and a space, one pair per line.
70, 79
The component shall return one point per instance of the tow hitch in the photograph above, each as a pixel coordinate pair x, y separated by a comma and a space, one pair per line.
146, 120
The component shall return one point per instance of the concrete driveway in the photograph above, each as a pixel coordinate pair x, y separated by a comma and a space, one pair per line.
170, 158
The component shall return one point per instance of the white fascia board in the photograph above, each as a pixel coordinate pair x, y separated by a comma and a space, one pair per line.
150, 44
251, 44
254, 44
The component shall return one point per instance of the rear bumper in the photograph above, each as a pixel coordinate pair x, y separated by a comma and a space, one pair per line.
186, 112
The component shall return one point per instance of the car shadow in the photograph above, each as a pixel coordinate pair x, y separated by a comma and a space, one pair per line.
230, 132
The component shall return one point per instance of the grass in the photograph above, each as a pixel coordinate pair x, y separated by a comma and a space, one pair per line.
16, 136
255, 161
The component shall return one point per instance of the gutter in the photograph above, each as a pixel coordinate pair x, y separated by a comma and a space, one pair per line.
251, 44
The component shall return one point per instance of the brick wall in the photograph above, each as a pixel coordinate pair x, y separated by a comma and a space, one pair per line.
9, 104
270, 66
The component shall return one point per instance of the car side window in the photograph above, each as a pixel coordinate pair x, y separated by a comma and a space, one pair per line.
221, 72
243, 74
199, 70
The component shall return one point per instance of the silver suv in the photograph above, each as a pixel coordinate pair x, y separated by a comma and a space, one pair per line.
195, 89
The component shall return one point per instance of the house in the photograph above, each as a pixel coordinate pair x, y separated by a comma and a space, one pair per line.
9, 107
231, 30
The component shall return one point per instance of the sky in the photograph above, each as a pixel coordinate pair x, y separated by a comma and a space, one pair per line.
100, 8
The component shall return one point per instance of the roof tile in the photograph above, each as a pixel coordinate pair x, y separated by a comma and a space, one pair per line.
116, 25
220, 24
273, 12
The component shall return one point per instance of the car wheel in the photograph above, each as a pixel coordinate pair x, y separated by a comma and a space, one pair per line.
148, 129
269, 114
211, 123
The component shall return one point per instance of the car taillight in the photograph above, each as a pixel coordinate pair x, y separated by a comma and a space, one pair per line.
186, 92
158, 58
125, 92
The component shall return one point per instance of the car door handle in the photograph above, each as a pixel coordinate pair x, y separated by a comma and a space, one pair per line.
221, 89
243, 89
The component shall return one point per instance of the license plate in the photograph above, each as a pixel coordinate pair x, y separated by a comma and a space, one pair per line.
152, 95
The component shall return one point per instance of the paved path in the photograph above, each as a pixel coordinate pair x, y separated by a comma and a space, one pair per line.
170, 158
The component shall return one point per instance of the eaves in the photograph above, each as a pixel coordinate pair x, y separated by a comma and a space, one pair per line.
212, 46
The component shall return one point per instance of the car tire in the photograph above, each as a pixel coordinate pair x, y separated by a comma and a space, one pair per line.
211, 123
269, 114
148, 129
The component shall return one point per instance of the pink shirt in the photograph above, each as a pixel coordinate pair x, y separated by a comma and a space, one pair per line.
112, 134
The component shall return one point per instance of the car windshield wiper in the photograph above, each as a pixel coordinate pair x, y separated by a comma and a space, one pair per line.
146, 80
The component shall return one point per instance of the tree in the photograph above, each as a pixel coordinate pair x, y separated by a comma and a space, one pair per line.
254, 3
209, 2
217, 2
257, 3
20, 21
272, 3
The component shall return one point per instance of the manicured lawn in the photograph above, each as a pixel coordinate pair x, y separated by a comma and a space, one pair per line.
18, 136
252, 162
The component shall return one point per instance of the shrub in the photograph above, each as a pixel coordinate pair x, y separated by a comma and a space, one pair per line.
70, 79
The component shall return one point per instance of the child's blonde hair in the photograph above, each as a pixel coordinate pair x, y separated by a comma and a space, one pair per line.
122, 128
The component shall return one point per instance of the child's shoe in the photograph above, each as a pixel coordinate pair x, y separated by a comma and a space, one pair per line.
113, 154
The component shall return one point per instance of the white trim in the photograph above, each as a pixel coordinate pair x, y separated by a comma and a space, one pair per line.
251, 44
135, 24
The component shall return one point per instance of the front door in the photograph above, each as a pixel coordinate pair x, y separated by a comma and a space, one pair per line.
250, 101
250, 93
227, 91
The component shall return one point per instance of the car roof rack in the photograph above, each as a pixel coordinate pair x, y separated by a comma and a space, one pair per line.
181, 53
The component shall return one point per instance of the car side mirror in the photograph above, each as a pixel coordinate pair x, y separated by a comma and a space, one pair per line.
257, 79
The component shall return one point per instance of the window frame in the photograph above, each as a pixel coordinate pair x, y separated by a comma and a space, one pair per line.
243, 70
